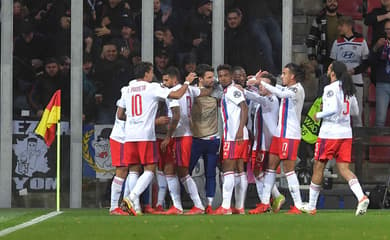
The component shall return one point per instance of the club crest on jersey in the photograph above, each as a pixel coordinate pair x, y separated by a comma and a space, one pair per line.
329, 93
294, 89
237, 94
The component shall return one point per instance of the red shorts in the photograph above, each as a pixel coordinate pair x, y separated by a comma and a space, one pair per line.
232, 150
286, 149
259, 160
117, 153
143, 152
182, 150
168, 156
327, 149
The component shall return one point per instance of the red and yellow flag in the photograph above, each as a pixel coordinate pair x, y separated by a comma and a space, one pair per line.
52, 114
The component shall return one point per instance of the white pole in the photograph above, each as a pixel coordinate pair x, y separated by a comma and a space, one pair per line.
287, 31
218, 37
76, 103
6, 103
147, 31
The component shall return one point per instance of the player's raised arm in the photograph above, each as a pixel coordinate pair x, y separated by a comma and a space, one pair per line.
181, 91
287, 93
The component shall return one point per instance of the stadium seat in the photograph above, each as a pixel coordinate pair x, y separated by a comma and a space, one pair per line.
351, 8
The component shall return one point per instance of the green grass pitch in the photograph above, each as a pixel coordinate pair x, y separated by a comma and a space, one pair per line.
97, 224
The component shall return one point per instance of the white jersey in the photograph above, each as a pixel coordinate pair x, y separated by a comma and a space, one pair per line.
336, 113
351, 52
290, 110
185, 102
118, 130
265, 119
231, 113
140, 99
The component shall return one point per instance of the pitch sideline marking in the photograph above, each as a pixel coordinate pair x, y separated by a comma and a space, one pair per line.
28, 223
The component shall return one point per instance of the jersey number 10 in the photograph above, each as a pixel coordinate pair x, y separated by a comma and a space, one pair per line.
136, 105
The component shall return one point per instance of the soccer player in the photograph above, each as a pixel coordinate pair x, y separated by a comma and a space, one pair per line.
139, 109
352, 50
264, 127
285, 142
206, 139
117, 139
181, 141
335, 137
235, 139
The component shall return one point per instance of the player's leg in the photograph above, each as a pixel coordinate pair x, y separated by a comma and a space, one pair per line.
147, 152
132, 178
289, 151
183, 155
228, 167
197, 149
241, 185
343, 159
355, 186
117, 156
174, 188
210, 171
161, 179
315, 186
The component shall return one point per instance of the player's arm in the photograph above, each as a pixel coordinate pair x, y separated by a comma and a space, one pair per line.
181, 91
287, 93
255, 97
243, 121
121, 113
171, 128
329, 107
354, 107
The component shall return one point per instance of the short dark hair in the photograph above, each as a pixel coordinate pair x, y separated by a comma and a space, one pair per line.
238, 68
141, 68
224, 67
345, 20
235, 10
201, 69
271, 77
298, 71
172, 72
51, 60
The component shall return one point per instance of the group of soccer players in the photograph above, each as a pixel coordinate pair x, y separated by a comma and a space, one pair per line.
261, 126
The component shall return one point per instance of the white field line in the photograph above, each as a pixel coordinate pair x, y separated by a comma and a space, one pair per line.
28, 223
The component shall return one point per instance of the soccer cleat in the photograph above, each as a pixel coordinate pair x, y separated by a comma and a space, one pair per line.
159, 208
209, 210
119, 211
149, 209
173, 211
194, 211
305, 208
128, 206
239, 211
278, 203
222, 211
261, 208
362, 206
294, 211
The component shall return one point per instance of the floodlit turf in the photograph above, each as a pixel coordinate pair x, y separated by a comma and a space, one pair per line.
97, 224
12, 217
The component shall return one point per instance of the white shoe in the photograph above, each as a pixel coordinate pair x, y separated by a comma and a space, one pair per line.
362, 206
